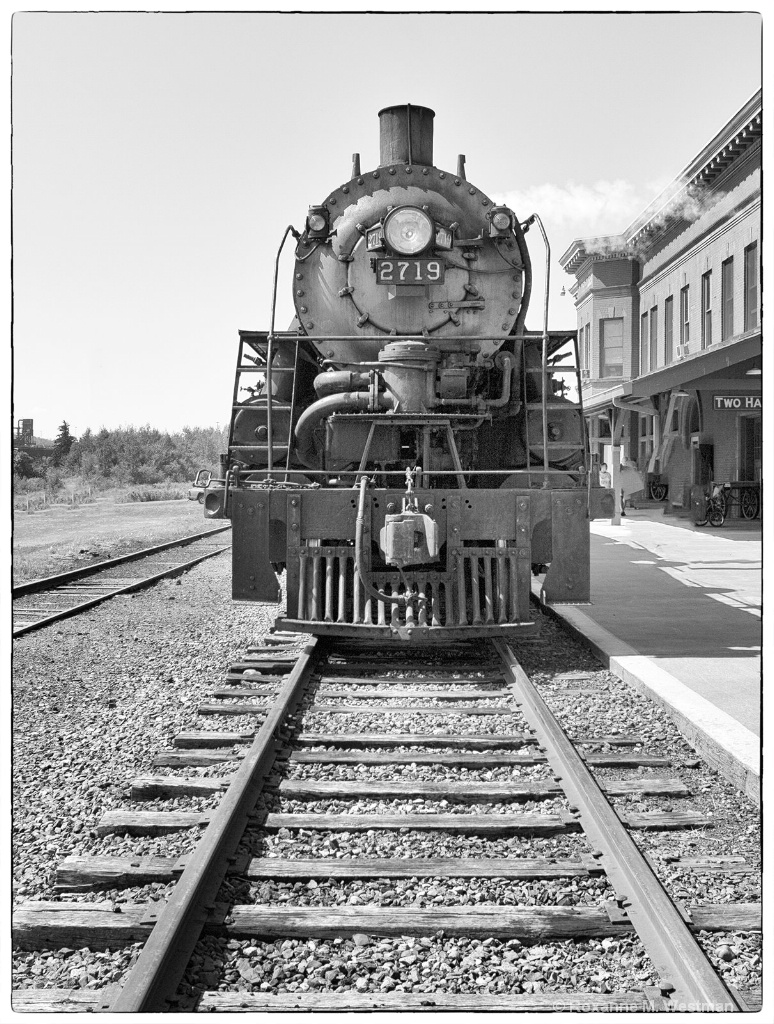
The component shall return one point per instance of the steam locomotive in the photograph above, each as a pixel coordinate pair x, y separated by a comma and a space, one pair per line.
407, 452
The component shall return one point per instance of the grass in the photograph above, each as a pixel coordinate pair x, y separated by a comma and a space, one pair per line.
33, 495
62, 537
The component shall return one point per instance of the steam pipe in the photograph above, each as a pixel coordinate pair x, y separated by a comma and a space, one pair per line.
323, 407
507, 363
337, 381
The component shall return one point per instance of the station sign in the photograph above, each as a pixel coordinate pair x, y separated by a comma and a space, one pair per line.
738, 403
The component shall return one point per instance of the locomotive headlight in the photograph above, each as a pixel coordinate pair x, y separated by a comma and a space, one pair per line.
408, 231
500, 221
317, 222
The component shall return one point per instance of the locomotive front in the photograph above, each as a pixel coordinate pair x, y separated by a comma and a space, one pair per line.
406, 451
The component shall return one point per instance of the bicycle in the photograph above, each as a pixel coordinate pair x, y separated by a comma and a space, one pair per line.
715, 506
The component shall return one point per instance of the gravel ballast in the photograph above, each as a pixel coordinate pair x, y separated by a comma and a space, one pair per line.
97, 697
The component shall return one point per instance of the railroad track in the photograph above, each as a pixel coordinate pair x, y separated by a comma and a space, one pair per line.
229, 891
41, 602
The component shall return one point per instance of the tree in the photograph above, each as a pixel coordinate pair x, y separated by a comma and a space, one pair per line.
62, 444
23, 465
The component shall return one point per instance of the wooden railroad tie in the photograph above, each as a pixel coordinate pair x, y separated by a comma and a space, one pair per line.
151, 787
63, 1000
43, 924
155, 823
90, 874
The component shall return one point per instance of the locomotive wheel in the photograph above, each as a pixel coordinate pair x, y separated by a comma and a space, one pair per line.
749, 503
658, 491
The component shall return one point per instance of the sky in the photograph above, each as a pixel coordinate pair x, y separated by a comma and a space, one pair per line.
158, 158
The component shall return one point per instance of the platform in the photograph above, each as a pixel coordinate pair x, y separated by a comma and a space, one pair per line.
676, 612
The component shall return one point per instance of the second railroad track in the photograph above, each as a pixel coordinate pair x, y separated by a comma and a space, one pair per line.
39, 603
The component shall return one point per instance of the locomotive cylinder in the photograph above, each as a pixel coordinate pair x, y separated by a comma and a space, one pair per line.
406, 135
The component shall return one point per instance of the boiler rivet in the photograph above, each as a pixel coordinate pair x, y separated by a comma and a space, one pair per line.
294, 502
392, 170
485, 202
456, 181
511, 312
408, 170
425, 170
442, 174
360, 181
300, 292
303, 309
309, 326
504, 327
345, 188
472, 191
332, 201
515, 295
375, 174
299, 277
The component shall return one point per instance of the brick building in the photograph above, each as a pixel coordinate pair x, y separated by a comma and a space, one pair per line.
669, 332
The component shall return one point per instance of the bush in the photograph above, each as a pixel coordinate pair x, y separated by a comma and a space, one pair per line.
54, 478
163, 493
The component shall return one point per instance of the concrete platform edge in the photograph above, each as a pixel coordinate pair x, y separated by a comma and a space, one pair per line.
727, 746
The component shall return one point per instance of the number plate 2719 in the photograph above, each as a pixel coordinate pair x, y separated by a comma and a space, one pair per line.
409, 271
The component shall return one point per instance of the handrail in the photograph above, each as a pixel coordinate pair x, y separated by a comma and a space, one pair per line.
289, 230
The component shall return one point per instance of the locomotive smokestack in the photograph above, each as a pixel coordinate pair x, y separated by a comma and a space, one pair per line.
406, 135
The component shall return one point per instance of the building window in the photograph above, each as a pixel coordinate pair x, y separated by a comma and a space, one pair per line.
751, 448
654, 338
751, 287
669, 317
611, 347
706, 309
727, 299
644, 343
586, 343
645, 449
685, 323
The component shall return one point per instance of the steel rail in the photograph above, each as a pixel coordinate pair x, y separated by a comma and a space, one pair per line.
50, 582
125, 588
687, 976
152, 982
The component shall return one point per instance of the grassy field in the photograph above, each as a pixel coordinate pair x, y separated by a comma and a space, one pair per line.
64, 537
